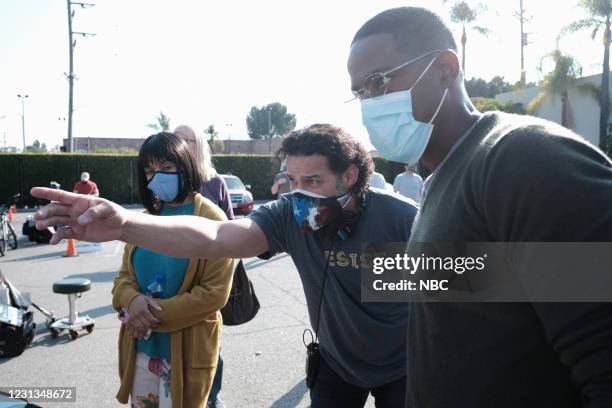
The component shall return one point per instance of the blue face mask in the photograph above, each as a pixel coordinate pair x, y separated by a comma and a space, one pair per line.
164, 185
313, 211
393, 129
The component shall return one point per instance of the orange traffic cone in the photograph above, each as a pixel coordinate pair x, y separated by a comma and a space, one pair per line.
71, 248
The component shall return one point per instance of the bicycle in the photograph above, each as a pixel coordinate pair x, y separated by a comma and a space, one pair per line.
7, 232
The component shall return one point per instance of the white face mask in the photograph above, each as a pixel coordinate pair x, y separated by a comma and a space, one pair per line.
393, 129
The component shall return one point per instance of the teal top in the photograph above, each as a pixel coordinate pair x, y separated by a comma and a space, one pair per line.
149, 264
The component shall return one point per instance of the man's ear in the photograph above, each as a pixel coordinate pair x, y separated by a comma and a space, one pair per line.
351, 175
448, 64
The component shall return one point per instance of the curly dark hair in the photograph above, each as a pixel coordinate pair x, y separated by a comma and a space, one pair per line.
340, 149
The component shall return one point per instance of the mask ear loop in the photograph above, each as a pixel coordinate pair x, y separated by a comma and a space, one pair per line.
443, 96
423, 74
439, 106
348, 196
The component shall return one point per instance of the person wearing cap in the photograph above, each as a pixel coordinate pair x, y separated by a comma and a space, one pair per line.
86, 186
281, 184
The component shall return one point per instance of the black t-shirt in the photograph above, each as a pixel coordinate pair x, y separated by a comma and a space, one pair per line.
364, 343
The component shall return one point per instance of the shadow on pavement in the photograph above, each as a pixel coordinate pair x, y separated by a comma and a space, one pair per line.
7, 359
259, 262
57, 254
98, 311
293, 397
43, 339
96, 276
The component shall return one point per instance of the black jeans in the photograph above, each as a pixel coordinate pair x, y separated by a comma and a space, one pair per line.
331, 391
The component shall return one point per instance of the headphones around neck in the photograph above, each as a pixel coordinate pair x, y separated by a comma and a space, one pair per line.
347, 224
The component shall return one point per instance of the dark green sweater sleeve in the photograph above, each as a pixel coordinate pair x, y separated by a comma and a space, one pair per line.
546, 187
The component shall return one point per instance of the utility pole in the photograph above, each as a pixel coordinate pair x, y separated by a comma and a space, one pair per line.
22, 97
229, 138
3, 134
70, 76
524, 39
269, 132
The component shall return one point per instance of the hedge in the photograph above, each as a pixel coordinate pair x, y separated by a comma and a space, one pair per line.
116, 175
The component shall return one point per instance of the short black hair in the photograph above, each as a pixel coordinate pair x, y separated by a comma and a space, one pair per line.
161, 147
340, 149
415, 30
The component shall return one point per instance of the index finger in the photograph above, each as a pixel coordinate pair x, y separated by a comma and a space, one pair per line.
52, 194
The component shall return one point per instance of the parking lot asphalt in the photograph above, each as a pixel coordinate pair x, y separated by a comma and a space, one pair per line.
264, 358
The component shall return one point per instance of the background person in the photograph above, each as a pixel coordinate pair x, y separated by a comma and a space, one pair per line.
281, 184
178, 360
86, 186
377, 180
409, 184
213, 185
215, 189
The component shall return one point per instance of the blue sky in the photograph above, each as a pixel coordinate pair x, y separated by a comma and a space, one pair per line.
207, 63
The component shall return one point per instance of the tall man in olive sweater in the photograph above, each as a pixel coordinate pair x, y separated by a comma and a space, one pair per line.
497, 178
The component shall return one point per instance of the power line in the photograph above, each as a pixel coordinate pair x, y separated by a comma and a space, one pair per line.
70, 76
23, 97
524, 39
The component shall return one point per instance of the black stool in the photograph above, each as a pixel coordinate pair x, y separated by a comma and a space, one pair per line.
73, 287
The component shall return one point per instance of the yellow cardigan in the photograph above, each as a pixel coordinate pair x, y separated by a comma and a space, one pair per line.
191, 317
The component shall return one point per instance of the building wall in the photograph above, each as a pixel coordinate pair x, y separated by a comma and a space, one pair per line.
90, 144
584, 107
232, 146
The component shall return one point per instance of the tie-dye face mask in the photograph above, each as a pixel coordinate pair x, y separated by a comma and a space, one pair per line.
313, 211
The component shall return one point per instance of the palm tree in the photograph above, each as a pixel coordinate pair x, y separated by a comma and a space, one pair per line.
558, 82
462, 13
600, 16
163, 123
211, 132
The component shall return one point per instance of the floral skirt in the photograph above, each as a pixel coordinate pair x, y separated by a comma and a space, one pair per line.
151, 387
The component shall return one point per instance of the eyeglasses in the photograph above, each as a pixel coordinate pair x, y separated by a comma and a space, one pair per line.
376, 84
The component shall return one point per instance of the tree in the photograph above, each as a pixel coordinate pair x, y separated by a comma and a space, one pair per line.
462, 13
269, 121
212, 133
36, 147
490, 104
478, 87
163, 123
557, 82
216, 146
600, 16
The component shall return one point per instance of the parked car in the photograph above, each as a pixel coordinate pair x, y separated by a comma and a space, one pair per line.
242, 199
